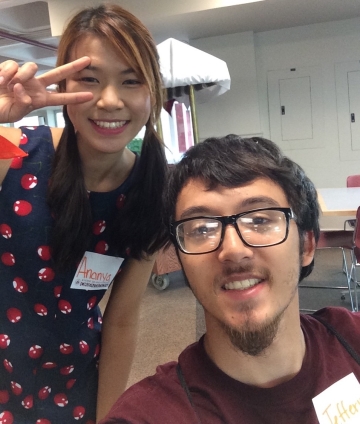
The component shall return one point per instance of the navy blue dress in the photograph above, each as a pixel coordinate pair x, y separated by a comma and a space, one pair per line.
49, 333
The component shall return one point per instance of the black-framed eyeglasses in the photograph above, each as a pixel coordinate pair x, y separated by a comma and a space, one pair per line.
256, 228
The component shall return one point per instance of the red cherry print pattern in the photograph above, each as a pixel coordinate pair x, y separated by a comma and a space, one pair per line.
5, 231
22, 207
44, 253
84, 347
28, 181
61, 399
8, 366
64, 306
78, 412
101, 247
57, 291
44, 392
46, 274
70, 383
49, 365
66, 349
28, 402
97, 350
98, 227
14, 315
4, 341
8, 259
20, 285
4, 397
43, 421
120, 201
36, 351
16, 388
6, 417
90, 323
91, 303
24, 139
16, 163
40, 309
67, 370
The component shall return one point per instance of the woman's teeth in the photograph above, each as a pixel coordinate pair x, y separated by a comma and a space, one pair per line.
111, 125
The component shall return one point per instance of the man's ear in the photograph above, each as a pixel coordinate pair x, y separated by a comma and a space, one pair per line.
309, 247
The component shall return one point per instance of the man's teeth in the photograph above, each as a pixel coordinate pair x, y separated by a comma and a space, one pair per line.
112, 125
242, 285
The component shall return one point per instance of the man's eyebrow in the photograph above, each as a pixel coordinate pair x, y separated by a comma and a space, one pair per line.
252, 202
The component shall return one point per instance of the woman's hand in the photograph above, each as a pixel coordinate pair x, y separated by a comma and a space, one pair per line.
21, 91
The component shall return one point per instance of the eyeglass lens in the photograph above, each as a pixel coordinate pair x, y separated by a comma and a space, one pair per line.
257, 228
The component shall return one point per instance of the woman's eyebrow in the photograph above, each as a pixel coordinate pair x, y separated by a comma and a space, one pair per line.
125, 71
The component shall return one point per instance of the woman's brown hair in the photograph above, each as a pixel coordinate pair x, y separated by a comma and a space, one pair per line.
139, 225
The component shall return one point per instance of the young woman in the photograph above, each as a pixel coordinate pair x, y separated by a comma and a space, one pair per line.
78, 212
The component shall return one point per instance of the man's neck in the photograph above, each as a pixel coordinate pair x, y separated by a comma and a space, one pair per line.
278, 363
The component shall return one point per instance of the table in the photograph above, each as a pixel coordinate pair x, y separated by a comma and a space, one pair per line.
342, 201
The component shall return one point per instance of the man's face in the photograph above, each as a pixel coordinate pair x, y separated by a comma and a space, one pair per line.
250, 316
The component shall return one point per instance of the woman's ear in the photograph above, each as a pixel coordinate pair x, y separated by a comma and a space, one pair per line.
309, 246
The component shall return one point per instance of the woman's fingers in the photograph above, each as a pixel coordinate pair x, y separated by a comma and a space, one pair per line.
56, 99
24, 73
62, 72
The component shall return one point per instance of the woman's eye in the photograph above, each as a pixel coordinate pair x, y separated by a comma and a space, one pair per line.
89, 79
132, 82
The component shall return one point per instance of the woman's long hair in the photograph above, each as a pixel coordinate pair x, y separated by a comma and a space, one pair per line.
138, 227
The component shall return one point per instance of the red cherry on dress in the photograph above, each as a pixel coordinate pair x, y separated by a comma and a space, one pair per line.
4, 341
44, 253
14, 315
36, 351
28, 402
40, 309
6, 417
8, 366
8, 259
44, 392
57, 291
49, 365
61, 399
98, 227
43, 421
16, 388
66, 349
28, 181
84, 347
90, 323
20, 285
101, 247
46, 274
5, 231
24, 139
22, 207
16, 163
120, 201
91, 303
67, 370
78, 412
4, 397
64, 306
70, 383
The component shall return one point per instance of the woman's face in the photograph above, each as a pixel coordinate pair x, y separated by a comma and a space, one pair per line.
121, 105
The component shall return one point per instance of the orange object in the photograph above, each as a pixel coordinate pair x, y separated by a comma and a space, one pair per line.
8, 150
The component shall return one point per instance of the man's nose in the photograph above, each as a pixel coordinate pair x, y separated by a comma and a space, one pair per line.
233, 248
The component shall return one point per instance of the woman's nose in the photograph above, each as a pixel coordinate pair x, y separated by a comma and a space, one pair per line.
110, 98
233, 248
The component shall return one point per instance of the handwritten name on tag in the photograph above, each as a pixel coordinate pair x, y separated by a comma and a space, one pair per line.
95, 271
339, 403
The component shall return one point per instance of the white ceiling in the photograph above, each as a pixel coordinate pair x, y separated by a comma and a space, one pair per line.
40, 22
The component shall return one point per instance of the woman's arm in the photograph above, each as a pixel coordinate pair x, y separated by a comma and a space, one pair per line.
119, 332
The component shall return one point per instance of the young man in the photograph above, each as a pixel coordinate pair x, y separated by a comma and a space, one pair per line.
244, 221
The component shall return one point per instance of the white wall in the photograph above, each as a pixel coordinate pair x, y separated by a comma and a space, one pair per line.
244, 109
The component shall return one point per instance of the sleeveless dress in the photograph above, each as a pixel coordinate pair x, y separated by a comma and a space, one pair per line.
49, 333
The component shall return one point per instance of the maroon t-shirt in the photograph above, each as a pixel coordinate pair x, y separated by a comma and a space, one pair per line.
220, 399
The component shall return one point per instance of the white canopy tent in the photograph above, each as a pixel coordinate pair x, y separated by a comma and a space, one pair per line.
186, 70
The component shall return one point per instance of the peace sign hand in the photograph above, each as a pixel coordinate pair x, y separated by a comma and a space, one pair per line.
21, 91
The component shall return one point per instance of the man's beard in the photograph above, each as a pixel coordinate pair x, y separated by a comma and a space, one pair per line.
253, 341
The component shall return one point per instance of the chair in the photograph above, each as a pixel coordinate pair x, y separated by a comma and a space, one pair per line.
343, 240
351, 181
355, 257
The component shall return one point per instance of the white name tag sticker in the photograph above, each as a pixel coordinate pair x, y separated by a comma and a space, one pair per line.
95, 271
339, 403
